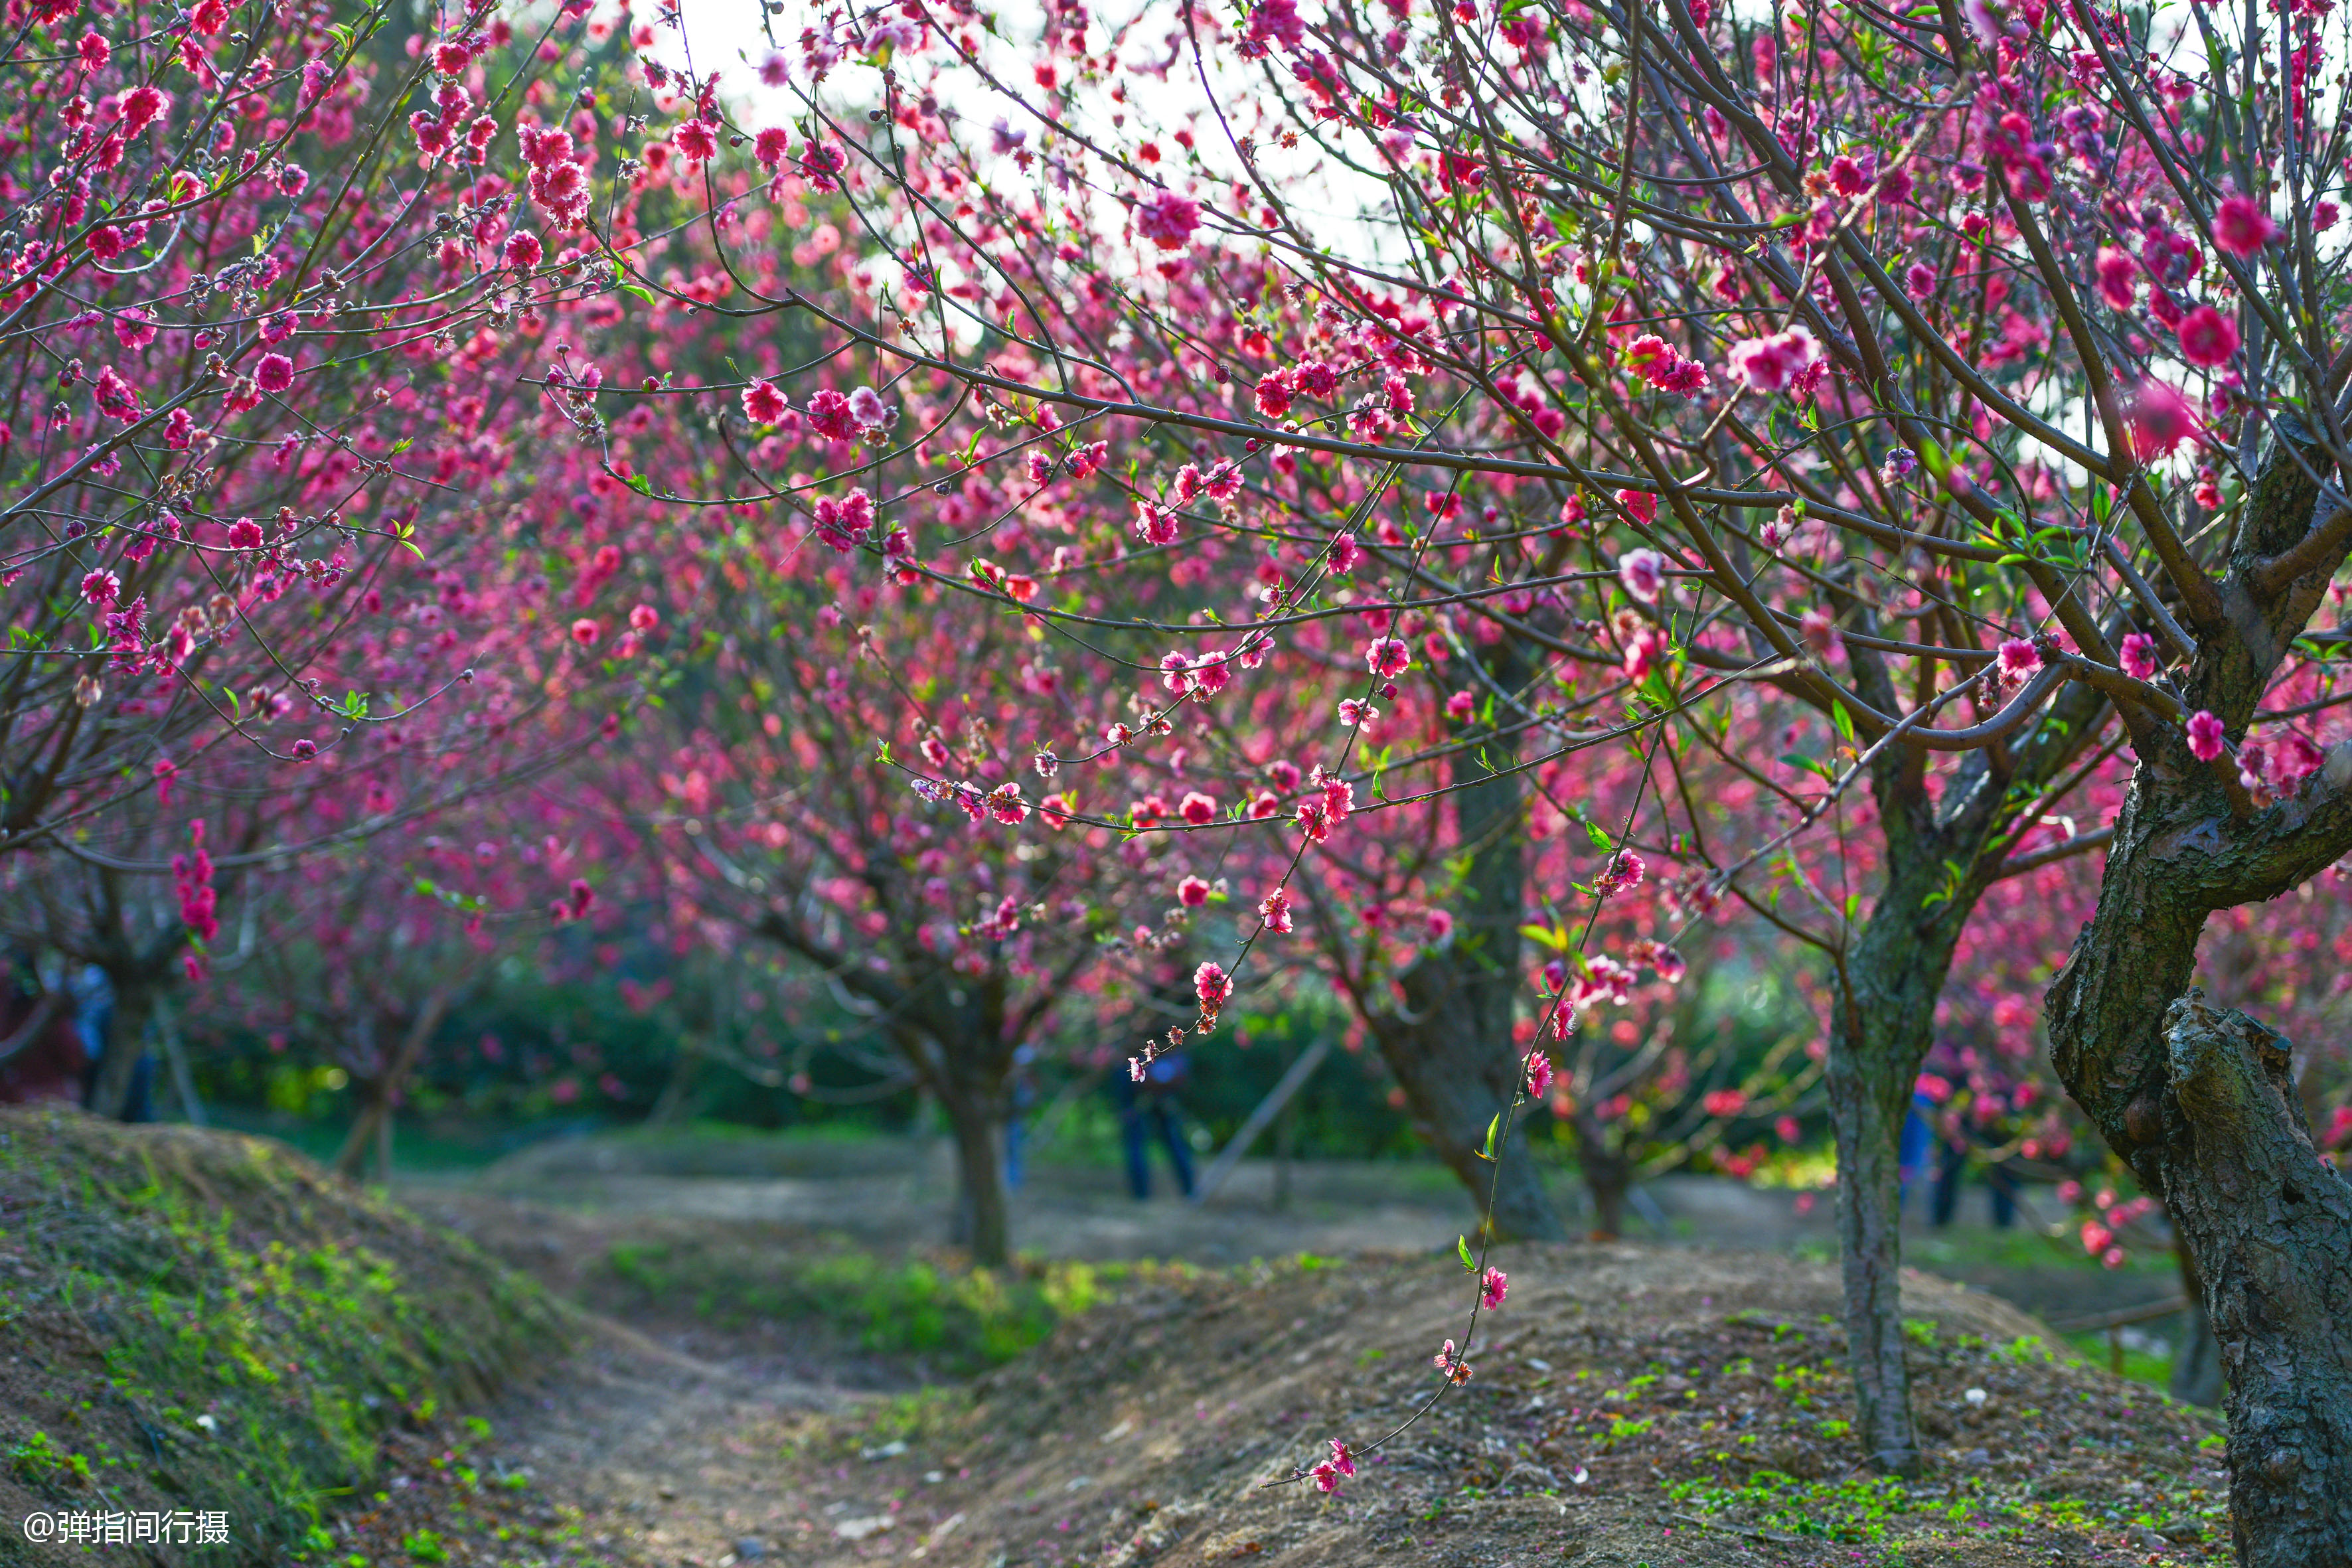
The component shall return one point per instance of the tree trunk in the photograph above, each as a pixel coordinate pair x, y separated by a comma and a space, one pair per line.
126, 1043
1869, 1095
981, 1225
2201, 1101
374, 1122
1608, 1175
1881, 1026
1450, 1045
672, 1105
2270, 1224
1452, 1054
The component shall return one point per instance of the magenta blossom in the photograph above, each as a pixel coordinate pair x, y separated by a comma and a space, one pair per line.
1643, 573
1493, 1286
2241, 226
2207, 741
1167, 220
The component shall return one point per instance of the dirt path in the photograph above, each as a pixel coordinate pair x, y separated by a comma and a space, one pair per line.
1615, 1375
675, 1441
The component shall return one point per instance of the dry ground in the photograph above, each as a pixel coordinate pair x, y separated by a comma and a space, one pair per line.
1631, 1405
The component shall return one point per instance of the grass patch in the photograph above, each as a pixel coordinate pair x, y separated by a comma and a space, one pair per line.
953, 1318
209, 1321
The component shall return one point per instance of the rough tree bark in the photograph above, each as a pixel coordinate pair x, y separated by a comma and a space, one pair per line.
2199, 1100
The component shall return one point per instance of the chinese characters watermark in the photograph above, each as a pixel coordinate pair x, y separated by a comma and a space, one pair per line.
160, 1527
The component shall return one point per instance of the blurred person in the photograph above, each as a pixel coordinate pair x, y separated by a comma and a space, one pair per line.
1150, 1108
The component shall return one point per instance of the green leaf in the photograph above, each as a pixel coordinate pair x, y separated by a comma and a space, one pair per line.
640, 290
1462, 1251
1493, 1128
642, 485
1843, 719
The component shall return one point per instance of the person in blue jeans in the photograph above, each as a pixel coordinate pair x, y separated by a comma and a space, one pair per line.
1147, 1109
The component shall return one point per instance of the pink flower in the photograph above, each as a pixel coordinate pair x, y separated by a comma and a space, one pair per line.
1820, 633
1492, 1287
141, 108
274, 374
2208, 338
524, 251
94, 51
1167, 220
2019, 658
2241, 226
1723, 1103
102, 587
1769, 364
1920, 280
1455, 1369
245, 534
1643, 573
763, 404
866, 406
1212, 985
1341, 1460
2138, 655
1274, 910
2118, 277
2160, 420
1539, 1073
1389, 657
1460, 707
769, 146
1198, 809
695, 141
1327, 1477
644, 618
1279, 20
1191, 892
2207, 741
584, 632
829, 415
1623, 874
1641, 505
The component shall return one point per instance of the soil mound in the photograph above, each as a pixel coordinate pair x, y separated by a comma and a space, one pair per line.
1629, 1405
201, 1322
